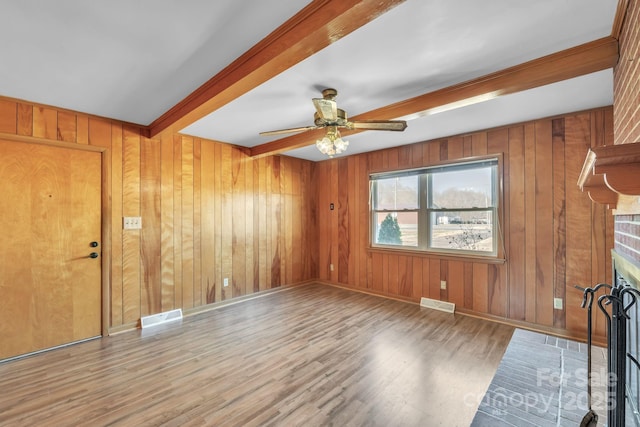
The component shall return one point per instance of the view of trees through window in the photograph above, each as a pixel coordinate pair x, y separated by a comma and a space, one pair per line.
399, 199
458, 205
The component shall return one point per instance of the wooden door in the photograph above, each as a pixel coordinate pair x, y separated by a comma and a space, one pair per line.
50, 212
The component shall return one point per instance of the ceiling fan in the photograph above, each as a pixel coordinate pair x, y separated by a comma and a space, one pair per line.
329, 116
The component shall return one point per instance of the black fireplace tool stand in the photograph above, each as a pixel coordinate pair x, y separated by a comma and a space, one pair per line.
615, 306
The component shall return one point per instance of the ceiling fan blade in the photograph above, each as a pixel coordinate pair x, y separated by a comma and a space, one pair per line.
281, 131
327, 109
396, 125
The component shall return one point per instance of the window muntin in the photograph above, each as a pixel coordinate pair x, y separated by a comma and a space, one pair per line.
447, 208
395, 216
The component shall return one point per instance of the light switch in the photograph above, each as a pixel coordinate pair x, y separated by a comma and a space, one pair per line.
132, 223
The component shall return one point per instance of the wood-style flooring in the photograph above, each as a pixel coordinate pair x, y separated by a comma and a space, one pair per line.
309, 355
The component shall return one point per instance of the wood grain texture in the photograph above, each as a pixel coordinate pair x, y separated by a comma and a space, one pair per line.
45, 123
51, 210
208, 222
538, 194
8, 116
25, 119
517, 209
545, 214
116, 295
131, 248
187, 224
150, 235
561, 202
189, 211
498, 283
578, 242
530, 210
245, 365
270, 181
167, 260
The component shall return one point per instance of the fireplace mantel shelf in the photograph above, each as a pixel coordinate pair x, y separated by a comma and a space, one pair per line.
609, 171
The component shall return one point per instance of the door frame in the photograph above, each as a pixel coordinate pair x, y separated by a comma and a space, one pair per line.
105, 212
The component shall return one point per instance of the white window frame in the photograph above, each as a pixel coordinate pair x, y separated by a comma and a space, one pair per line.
425, 207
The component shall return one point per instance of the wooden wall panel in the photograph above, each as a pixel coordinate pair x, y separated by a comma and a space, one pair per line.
67, 129
115, 161
287, 220
131, 248
187, 215
207, 222
546, 225
530, 222
561, 200
578, 239
516, 201
251, 253
177, 221
208, 211
150, 237
345, 193
197, 225
498, 142
275, 265
25, 119
239, 225
45, 123
167, 228
263, 230
218, 224
8, 116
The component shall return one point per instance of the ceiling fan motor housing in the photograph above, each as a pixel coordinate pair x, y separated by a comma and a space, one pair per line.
341, 119
329, 93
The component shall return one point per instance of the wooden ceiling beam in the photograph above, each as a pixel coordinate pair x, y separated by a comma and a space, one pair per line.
319, 24
574, 62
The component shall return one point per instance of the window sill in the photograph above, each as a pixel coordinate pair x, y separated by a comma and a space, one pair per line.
434, 255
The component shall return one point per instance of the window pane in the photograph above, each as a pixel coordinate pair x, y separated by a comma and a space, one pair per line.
470, 188
466, 231
397, 193
397, 228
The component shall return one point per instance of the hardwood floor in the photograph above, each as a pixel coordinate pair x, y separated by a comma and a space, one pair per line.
309, 355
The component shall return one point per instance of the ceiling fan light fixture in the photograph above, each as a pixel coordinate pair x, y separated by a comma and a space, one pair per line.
330, 117
332, 144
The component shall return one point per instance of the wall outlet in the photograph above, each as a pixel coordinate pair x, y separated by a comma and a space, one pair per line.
557, 303
225, 282
331, 267
443, 284
131, 223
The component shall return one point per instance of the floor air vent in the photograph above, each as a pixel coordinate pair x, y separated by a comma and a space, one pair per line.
160, 318
449, 307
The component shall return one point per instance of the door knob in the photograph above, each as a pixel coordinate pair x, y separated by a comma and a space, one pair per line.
93, 255
93, 244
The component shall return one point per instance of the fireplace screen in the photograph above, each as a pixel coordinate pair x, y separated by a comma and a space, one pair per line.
633, 353
624, 339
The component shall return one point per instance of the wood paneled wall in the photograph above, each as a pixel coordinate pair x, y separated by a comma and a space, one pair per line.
554, 236
208, 212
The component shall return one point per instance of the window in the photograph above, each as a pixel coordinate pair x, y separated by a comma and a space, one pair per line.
449, 208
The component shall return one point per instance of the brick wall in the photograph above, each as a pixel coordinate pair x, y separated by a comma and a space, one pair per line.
627, 235
626, 80
626, 118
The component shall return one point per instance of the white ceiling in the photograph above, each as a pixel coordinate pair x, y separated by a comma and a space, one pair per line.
134, 60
